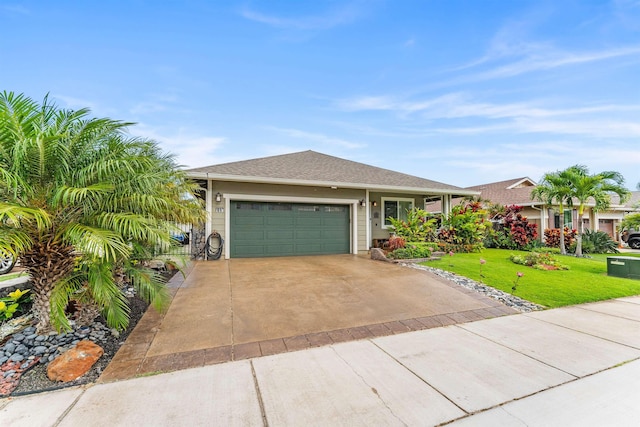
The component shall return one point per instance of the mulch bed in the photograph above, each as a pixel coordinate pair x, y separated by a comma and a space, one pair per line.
34, 379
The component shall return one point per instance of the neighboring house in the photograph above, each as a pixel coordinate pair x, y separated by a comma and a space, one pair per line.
518, 192
309, 203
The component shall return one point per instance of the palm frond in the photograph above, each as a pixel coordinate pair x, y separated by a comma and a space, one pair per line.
60, 298
16, 216
150, 286
96, 242
66, 195
106, 294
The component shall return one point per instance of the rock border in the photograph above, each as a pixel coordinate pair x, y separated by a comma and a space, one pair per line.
507, 299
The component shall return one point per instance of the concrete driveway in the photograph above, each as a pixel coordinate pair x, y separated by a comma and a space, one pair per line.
243, 308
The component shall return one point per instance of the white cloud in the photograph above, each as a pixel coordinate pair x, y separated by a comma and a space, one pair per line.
191, 150
317, 137
519, 117
542, 61
344, 14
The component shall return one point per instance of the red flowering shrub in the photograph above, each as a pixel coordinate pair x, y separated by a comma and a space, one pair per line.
552, 237
513, 230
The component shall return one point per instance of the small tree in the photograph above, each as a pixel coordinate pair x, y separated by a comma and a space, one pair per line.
555, 189
78, 199
595, 188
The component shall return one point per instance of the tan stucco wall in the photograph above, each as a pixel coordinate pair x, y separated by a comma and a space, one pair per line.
226, 187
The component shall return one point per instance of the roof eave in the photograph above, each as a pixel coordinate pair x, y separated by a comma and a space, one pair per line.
285, 181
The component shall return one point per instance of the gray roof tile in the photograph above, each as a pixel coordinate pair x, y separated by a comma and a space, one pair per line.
317, 167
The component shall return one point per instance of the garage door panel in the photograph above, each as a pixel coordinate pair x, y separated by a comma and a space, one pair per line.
313, 248
309, 222
333, 222
250, 220
308, 234
278, 250
249, 235
286, 235
278, 229
331, 234
284, 221
334, 248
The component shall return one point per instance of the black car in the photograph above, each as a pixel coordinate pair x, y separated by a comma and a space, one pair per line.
632, 238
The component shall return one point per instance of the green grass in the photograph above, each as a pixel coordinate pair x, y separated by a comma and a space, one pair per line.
585, 281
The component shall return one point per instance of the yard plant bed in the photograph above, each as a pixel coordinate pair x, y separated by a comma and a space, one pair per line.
35, 380
585, 281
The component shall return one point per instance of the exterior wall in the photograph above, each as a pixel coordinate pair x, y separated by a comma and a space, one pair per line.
286, 192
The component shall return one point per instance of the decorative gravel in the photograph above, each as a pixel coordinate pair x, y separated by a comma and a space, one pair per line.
507, 299
27, 345
25, 355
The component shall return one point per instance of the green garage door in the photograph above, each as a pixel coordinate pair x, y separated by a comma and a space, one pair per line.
283, 229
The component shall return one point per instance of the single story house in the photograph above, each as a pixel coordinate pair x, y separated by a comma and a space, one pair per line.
309, 203
517, 191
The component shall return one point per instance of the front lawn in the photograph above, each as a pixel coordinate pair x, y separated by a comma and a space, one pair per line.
585, 281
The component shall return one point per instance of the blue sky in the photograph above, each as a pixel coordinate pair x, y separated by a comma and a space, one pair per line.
463, 92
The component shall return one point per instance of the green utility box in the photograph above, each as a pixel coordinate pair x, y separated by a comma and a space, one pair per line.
623, 266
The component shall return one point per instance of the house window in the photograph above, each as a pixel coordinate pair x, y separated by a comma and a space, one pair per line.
395, 208
568, 219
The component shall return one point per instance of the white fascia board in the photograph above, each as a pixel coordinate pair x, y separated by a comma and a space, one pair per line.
525, 179
376, 187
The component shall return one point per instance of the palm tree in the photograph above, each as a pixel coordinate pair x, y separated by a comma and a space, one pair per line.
595, 188
79, 200
554, 189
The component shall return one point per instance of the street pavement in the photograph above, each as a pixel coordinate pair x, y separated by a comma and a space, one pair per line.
573, 366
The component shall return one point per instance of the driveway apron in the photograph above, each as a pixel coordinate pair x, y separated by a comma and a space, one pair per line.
242, 308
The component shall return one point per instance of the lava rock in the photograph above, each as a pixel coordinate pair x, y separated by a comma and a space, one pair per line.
75, 362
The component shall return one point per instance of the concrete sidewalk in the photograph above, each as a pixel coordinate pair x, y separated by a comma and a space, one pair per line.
575, 366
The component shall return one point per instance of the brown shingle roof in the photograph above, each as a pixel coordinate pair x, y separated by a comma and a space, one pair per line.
511, 192
310, 166
517, 191
631, 203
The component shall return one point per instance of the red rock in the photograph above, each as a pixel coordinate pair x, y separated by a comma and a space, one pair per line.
75, 362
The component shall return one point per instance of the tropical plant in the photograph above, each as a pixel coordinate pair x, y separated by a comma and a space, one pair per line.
630, 222
14, 303
598, 242
540, 260
413, 250
512, 230
463, 229
596, 189
396, 242
77, 195
555, 189
552, 238
418, 227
